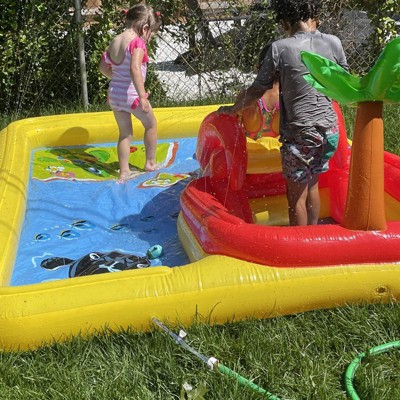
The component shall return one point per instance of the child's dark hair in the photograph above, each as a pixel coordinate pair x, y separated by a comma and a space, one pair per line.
142, 14
294, 11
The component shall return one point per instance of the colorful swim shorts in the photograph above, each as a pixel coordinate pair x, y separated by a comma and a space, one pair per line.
308, 153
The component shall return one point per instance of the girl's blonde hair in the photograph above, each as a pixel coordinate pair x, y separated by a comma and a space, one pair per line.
142, 14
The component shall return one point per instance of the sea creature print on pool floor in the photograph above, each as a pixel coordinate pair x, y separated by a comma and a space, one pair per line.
97, 263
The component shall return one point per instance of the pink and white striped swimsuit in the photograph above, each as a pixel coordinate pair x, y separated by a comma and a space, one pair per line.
122, 94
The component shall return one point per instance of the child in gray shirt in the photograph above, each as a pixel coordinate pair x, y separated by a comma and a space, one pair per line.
308, 124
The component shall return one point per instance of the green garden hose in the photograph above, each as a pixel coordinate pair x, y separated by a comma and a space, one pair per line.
352, 368
243, 381
213, 362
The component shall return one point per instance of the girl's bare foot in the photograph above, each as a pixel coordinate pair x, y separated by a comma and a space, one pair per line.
127, 175
152, 166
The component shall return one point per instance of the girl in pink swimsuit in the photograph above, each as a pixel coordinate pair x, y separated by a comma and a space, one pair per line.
125, 64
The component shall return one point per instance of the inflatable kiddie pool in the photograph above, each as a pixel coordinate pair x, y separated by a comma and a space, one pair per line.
220, 284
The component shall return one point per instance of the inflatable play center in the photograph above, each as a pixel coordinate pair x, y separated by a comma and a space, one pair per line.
204, 238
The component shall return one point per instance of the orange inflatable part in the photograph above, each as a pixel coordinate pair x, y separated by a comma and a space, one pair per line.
365, 209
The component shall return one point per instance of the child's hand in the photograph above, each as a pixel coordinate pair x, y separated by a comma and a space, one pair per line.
144, 104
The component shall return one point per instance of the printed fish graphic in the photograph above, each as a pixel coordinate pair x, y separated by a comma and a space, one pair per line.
83, 225
119, 227
163, 180
69, 234
41, 237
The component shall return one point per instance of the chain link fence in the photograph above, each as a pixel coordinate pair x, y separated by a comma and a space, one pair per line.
223, 54
205, 52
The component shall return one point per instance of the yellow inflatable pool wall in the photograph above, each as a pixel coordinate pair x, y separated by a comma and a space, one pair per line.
214, 289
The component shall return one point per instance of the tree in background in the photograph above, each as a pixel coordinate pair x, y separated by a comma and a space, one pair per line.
35, 40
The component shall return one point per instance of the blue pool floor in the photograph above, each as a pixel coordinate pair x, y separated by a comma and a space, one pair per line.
70, 219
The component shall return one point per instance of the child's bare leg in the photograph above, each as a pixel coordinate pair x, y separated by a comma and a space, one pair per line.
124, 122
297, 196
150, 143
313, 201
149, 123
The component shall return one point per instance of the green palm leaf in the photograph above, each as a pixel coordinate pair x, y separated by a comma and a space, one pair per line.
383, 80
331, 79
382, 83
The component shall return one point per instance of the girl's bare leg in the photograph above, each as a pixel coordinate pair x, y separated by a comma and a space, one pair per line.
150, 136
124, 122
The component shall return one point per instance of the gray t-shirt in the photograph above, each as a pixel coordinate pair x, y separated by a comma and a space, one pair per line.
301, 106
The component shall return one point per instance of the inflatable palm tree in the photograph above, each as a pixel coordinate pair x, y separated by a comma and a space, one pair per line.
365, 199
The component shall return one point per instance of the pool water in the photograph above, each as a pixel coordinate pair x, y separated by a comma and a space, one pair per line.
81, 210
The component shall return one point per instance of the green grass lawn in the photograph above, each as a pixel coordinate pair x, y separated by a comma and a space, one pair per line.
294, 357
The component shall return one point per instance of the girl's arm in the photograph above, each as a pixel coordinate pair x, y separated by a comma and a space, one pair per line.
137, 78
105, 68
